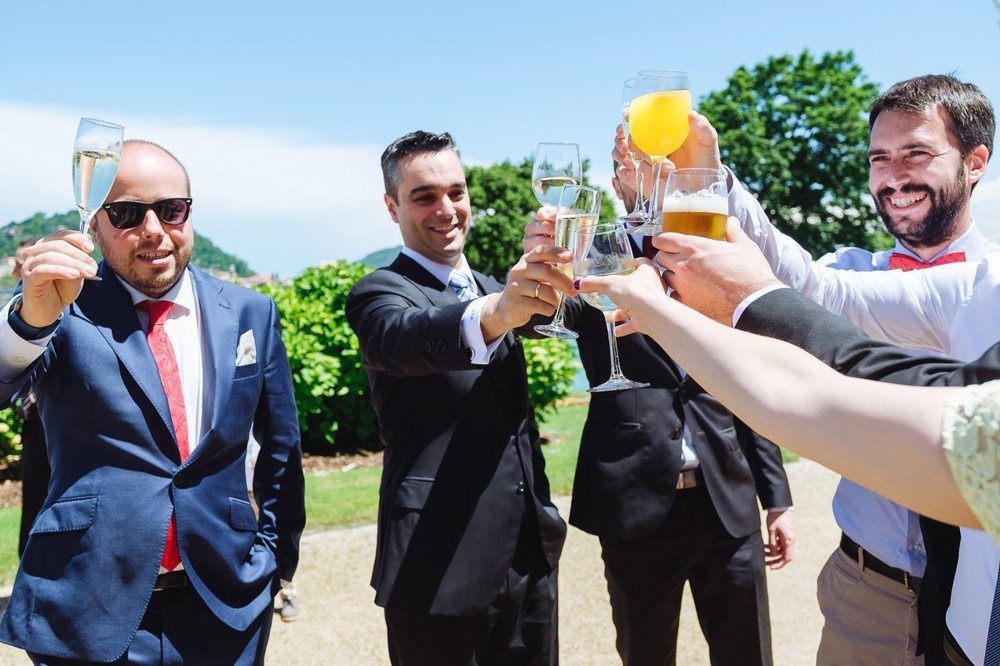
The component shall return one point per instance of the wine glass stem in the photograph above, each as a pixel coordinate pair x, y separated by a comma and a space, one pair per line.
616, 368
85, 218
654, 195
637, 208
557, 318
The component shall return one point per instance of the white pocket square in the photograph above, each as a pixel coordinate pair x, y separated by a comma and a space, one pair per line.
246, 350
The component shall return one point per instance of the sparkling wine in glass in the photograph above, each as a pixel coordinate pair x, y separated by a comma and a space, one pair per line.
96, 153
604, 249
696, 202
556, 165
658, 123
578, 206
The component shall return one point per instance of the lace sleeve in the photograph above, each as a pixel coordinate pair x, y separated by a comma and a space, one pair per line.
971, 435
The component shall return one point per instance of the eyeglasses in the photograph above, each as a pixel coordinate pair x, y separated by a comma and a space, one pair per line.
128, 214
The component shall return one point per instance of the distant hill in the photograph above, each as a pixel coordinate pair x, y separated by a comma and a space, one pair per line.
206, 254
381, 258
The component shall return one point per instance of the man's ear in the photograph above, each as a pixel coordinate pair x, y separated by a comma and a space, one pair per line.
392, 206
976, 162
618, 187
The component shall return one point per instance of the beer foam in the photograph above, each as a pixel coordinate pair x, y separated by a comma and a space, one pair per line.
700, 202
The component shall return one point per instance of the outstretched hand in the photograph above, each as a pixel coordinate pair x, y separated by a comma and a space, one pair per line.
711, 276
635, 294
52, 275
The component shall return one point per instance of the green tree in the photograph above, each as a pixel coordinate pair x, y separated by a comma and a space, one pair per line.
502, 203
795, 129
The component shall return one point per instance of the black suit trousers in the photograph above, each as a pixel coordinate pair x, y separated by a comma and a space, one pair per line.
646, 579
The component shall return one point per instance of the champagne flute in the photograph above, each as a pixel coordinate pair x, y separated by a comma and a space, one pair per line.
658, 122
556, 165
578, 206
637, 216
96, 153
604, 249
696, 202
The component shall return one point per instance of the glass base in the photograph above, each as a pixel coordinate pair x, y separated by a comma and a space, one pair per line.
556, 331
619, 384
640, 225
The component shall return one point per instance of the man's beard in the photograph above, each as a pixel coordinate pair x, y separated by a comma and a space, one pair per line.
938, 226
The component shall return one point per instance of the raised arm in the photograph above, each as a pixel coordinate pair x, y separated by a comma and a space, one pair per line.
886, 437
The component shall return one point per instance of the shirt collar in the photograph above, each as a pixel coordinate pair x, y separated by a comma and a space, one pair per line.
970, 242
181, 294
441, 271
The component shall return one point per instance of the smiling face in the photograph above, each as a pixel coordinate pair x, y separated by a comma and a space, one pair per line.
432, 206
152, 256
919, 180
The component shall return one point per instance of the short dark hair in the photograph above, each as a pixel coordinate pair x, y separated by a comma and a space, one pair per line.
968, 112
414, 143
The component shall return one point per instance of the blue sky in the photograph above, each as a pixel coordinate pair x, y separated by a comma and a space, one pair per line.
281, 110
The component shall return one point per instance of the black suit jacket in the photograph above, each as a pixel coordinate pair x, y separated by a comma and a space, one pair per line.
787, 315
462, 461
630, 452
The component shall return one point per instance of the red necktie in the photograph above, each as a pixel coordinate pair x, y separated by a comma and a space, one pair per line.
170, 376
907, 263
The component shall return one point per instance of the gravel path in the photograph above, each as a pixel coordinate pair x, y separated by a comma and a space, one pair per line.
340, 624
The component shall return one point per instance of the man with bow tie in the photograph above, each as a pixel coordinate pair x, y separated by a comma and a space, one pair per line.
468, 538
931, 139
150, 375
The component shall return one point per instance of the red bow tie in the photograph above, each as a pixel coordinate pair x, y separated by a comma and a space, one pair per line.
907, 263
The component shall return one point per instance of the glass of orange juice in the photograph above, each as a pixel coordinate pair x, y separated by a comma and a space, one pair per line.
658, 123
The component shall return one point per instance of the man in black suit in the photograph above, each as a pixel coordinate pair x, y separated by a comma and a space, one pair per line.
668, 479
468, 538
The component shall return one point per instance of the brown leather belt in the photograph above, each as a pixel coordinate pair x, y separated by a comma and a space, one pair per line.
171, 580
866, 560
688, 478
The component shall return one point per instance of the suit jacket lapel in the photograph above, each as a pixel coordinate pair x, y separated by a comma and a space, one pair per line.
220, 326
109, 308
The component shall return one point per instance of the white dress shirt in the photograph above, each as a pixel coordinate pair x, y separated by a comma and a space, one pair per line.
954, 309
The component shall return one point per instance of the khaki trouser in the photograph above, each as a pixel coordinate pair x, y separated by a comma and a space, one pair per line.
869, 619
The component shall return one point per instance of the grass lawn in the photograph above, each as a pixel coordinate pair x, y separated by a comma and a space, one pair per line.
336, 499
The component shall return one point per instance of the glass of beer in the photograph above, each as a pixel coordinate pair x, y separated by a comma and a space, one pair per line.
696, 202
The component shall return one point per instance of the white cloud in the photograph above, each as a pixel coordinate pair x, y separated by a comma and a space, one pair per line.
270, 196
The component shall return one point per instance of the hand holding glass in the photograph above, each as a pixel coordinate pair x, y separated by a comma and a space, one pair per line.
604, 249
696, 202
556, 165
96, 153
578, 205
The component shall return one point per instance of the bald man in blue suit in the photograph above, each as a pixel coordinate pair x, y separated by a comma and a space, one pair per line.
94, 585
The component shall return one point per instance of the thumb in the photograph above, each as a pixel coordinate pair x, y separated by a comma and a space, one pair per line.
735, 233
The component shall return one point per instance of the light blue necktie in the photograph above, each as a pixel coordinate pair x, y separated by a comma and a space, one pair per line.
993, 635
462, 285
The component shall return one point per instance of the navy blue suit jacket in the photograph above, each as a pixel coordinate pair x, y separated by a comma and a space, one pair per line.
93, 554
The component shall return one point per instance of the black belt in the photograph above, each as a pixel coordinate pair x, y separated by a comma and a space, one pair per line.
954, 654
866, 560
170, 580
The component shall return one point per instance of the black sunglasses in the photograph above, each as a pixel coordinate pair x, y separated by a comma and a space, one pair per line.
128, 214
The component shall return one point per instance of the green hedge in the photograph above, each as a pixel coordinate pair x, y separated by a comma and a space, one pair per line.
331, 386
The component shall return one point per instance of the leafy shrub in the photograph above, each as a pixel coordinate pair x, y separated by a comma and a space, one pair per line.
10, 436
331, 385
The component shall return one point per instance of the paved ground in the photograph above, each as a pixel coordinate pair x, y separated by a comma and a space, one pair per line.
341, 626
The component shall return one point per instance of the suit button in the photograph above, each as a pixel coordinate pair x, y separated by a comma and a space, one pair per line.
179, 479
676, 434
521, 488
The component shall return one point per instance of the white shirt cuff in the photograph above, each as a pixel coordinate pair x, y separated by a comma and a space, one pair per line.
16, 353
738, 312
472, 333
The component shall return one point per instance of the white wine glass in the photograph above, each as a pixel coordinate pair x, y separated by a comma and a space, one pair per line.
658, 124
578, 205
96, 153
638, 215
556, 165
604, 249
696, 202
